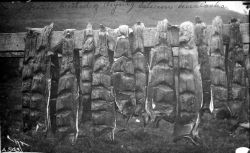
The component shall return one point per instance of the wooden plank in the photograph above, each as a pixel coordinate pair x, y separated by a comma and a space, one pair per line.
12, 41
149, 37
244, 28
15, 41
12, 54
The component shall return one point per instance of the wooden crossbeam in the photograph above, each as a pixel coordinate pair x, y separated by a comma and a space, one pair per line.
14, 42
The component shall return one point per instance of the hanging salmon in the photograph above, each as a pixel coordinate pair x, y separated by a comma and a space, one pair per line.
217, 65
203, 53
189, 86
237, 88
123, 75
102, 105
87, 60
161, 97
35, 79
140, 67
67, 103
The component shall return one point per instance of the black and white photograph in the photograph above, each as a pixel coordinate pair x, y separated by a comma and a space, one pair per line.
124, 76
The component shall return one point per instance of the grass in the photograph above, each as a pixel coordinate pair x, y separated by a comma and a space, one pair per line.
215, 137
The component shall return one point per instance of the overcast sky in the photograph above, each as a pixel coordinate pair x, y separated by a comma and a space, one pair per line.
236, 6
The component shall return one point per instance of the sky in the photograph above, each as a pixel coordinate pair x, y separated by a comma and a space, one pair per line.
236, 6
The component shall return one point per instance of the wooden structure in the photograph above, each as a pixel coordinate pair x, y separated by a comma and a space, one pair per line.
12, 44
178, 86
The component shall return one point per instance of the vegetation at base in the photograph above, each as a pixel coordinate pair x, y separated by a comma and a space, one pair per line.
216, 137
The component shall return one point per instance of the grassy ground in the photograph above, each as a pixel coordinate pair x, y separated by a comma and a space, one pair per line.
215, 137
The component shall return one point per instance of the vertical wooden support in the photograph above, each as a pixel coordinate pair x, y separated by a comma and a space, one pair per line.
68, 90
140, 68
203, 54
189, 85
87, 53
101, 101
217, 64
161, 85
34, 75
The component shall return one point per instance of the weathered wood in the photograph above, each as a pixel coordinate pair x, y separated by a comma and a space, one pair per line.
12, 41
18, 54
15, 41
